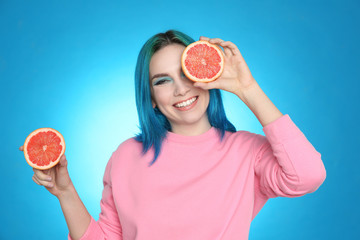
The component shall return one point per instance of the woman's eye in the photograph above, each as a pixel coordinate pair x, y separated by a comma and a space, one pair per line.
182, 74
161, 81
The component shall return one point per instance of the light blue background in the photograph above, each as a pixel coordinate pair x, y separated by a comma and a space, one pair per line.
69, 65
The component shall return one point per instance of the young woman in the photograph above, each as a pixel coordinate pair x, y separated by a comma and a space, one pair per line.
189, 174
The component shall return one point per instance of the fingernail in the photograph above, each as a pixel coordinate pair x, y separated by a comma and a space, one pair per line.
49, 178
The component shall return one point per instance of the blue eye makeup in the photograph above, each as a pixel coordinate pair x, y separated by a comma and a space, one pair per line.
162, 80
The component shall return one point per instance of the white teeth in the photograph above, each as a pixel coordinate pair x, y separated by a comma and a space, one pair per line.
186, 103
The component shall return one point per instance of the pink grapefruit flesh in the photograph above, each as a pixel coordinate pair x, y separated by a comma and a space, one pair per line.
43, 148
202, 61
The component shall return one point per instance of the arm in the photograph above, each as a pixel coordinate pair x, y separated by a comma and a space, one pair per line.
286, 162
76, 215
57, 181
80, 223
264, 110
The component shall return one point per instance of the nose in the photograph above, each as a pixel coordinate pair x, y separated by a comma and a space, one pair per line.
182, 86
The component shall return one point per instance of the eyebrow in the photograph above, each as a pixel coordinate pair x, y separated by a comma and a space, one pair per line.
159, 75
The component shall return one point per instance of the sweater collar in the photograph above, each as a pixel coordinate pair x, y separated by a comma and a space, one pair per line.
207, 136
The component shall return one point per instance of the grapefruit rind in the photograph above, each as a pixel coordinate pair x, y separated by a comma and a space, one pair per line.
27, 158
194, 78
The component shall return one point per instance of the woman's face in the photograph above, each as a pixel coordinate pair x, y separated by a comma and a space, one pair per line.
175, 96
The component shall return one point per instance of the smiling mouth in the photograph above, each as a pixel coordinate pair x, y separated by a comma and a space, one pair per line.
186, 103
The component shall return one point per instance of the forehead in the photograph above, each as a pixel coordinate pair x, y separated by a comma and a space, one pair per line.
166, 59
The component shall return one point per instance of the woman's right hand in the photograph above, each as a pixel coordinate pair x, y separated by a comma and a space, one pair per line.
56, 179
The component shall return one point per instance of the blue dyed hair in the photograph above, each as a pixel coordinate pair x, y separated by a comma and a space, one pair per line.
153, 124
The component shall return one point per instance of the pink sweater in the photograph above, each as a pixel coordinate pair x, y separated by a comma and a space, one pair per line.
203, 189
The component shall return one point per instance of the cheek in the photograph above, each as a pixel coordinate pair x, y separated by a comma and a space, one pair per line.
206, 96
161, 97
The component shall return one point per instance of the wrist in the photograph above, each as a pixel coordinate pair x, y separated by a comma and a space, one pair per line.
257, 101
67, 192
248, 92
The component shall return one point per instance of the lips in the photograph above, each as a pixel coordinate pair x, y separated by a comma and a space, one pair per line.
186, 103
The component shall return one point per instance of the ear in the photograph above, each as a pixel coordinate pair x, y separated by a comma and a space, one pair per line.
153, 104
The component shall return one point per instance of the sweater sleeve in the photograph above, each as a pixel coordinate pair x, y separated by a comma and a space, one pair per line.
108, 226
286, 163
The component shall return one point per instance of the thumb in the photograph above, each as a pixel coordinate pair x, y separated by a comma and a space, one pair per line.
63, 162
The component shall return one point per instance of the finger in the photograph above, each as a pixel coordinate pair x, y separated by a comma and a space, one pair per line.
63, 162
232, 47
35, 180
202, 38
21, 148
42, 183
62, 167
216, 40
228, 52
41, 176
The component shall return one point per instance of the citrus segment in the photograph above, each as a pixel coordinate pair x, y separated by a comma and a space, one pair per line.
43, 148
202, 61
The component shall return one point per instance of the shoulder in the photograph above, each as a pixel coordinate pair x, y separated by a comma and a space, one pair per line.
123, 154
245, 141
117, 157
243, 137
129, 146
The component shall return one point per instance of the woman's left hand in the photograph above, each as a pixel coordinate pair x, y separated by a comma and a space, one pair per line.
236, 76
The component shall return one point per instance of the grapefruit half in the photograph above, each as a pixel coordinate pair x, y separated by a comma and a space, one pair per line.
202, 61
43, 148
